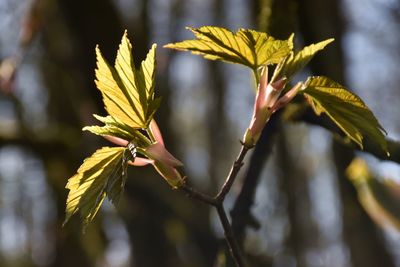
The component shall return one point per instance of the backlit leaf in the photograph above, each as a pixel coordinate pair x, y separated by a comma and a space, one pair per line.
298, 60
128, 93
112, 128
345, 109
102, 174
115, 128
246, 47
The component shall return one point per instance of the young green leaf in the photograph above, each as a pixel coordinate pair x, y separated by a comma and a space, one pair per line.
298, 60
115, 128
128, 94
345, 109
111, 128
246, 47
102, 174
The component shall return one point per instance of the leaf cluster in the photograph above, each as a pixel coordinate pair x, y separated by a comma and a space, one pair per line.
128, 93
128, 96
256, 49
129, 99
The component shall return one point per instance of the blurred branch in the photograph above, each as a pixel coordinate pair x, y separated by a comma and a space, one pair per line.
305, 114
31, 25
277, 18
366, 246
45, 146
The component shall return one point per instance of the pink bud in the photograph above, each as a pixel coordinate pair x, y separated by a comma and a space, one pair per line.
163, 161
116, 140
273, 91
287, 97
158, 156
139, 162
261, 92
156, 132
267, 95
158, 152
170, 174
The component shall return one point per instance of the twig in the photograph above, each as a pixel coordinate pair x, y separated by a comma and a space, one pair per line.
218, 201
192, 193
230, 237
241, 211
226, 187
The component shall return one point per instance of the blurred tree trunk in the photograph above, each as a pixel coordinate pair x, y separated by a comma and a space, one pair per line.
166, 223
217, 130
293, 181
277, 18
69, 35
320, 20
146, 214
294, 185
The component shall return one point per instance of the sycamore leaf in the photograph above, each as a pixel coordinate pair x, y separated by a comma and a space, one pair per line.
246, 47
115, 128
128, 93
345, 109
298, 60
102, 174
112, 128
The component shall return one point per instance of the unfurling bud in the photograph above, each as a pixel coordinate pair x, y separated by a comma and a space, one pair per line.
165, 163
267, 101
287, 97
266, 97
157, 155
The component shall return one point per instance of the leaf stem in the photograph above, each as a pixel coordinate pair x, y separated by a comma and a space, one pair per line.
151, 135
256, 78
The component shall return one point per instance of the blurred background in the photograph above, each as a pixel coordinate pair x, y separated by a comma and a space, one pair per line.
296, 202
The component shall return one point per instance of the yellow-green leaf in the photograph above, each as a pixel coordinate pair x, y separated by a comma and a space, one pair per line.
246, 47
128, 93
111, 128
298, 60
345, 109
100, 175
115, 128
267, 50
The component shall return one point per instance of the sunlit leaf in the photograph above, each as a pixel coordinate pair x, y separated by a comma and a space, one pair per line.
246, 47
115, 128
298, 60
112, 128
380, 198
102, 174
267, 49
128, 93
345, 109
